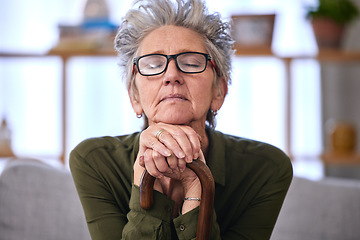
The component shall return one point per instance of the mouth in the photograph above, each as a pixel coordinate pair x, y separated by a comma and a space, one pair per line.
174, 97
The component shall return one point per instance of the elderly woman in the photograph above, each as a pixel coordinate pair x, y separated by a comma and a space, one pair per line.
176, 58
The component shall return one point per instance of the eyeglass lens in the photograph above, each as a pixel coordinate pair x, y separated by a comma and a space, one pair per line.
186, 62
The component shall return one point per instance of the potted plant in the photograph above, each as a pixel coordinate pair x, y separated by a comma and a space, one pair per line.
329, 20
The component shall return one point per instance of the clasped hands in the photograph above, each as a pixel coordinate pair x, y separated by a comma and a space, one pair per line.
164, 150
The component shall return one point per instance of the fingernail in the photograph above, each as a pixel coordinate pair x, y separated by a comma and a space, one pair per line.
181, 155
167, 153
182, 169
196, 155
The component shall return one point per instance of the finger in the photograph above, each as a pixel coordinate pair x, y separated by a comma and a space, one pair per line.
138, 171
172, 162
141, 161
202, 157
182, 165
161, 163
168, 140
184, 143
149, 141
150, 165
188, 140
193, 138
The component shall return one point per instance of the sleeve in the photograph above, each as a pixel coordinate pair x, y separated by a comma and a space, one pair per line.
105, 217
186, 226
259, 218
155, 223
109, 219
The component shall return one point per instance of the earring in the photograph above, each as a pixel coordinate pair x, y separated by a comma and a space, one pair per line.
139, 115
215, 112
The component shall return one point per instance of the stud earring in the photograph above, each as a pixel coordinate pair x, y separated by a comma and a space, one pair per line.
215, 112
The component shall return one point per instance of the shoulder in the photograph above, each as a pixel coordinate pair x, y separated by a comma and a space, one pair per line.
240, 150
106, 143
247, 146
107, 158
105, 152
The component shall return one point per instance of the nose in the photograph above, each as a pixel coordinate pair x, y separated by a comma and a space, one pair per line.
172, 74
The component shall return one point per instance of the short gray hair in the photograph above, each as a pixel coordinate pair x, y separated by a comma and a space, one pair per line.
148, 15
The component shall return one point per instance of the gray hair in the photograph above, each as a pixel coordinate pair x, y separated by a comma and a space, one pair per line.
192, 14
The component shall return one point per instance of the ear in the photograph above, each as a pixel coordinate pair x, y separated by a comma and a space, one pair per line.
219, 93
134, 99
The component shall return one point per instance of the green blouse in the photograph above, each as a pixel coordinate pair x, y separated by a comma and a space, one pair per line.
251, 181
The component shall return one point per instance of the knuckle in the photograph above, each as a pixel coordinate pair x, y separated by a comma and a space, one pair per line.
154, 173
147, 156
157, 156
152, 143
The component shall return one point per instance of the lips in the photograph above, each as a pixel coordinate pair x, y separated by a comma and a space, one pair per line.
174, 97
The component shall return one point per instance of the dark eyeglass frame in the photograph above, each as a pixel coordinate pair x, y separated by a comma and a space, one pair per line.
174, 56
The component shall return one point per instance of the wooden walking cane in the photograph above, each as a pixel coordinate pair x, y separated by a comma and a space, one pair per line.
207, 196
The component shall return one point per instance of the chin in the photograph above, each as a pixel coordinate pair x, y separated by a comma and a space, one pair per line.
175, 115
176, 119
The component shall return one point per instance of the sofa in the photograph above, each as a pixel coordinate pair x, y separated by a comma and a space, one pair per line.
39, 202
326, 209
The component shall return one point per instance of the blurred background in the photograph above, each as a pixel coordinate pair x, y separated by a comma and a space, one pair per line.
54, 94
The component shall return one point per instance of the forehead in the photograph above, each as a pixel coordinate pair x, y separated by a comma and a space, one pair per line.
172, 40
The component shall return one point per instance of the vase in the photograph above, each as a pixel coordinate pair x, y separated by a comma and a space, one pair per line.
328, 33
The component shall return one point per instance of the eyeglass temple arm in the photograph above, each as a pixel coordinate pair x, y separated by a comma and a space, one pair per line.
214, 66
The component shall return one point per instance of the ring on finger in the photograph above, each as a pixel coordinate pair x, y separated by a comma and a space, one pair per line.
157, 136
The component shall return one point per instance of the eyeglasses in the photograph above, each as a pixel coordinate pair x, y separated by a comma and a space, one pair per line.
186, 62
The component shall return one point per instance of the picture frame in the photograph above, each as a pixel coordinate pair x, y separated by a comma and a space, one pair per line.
253, 31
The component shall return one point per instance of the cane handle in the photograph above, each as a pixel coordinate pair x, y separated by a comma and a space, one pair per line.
207, 196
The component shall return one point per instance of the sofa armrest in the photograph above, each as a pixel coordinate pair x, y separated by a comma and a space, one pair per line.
38, 202
325, 209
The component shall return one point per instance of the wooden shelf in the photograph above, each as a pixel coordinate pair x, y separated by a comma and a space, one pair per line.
253, 51
83, 52
338, 56
324, 55
64, 53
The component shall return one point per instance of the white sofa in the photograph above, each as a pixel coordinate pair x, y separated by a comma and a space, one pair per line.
328, 209
38, 202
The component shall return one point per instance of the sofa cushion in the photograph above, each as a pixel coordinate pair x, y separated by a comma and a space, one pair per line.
325, 209
39, 202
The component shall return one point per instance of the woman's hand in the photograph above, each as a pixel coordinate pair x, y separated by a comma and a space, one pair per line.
172, 147
176, 184
165, 157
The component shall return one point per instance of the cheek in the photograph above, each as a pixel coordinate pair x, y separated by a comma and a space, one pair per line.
207, 85
203, 93
147, 92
